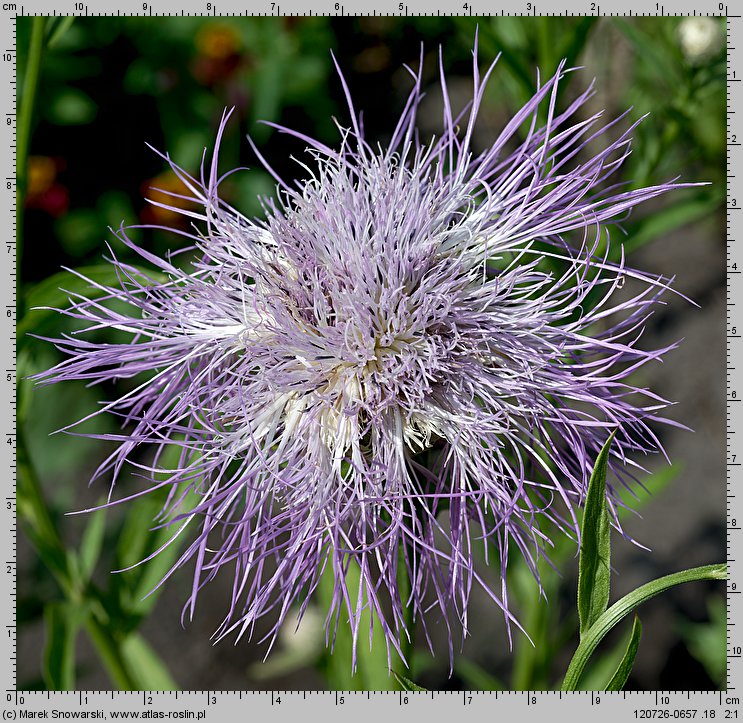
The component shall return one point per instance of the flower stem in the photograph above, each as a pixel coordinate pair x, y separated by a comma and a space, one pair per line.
627, 604
23, 124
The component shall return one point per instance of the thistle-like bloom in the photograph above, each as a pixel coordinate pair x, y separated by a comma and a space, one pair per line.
417, 349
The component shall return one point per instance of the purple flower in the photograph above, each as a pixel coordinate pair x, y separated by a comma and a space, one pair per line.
419, 349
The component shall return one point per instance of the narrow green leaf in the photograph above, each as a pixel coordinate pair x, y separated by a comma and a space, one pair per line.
475, 677
669, 219
498, 39
626, 605
138, 540
110, 654
407, 684
650, 50
56, 28
619, 679
653, 486
148, 670
372, 667
62, 622
706, 640
603, 665
54, 292
153, 571
34, 516
594, 569
90, 546
576, 40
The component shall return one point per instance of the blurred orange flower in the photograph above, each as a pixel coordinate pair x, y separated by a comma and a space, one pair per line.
43, 192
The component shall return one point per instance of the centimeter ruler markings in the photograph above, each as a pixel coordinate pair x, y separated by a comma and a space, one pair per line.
734, 375
214, 705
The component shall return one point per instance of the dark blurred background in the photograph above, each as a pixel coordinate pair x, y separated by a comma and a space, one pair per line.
109, 86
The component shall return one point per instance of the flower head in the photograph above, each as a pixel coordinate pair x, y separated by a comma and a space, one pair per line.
418, 349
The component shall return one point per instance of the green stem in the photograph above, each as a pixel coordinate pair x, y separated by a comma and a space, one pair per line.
110, 654
23, 124
38, 524
403, 582
545, 45
528, 657
595, 634
34, 516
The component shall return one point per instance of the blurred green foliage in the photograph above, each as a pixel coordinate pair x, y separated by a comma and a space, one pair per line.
107, 86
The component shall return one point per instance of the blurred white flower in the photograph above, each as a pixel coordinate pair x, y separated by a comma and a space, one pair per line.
305, 638
700, 39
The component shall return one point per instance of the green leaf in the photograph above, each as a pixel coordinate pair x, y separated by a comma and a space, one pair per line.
500, 41
648, 48
619, 679
652, 487
137, 541
79, 231
407, 684
147, 669
34, 516
603, 666
626, 605
671, 218
70, 106
576, 39
594, 570
372, 667
706, 640
54, 292
475, 677
90, 546
56, 28
62, 622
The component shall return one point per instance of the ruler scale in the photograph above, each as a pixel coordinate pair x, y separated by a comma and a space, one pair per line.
287, 705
